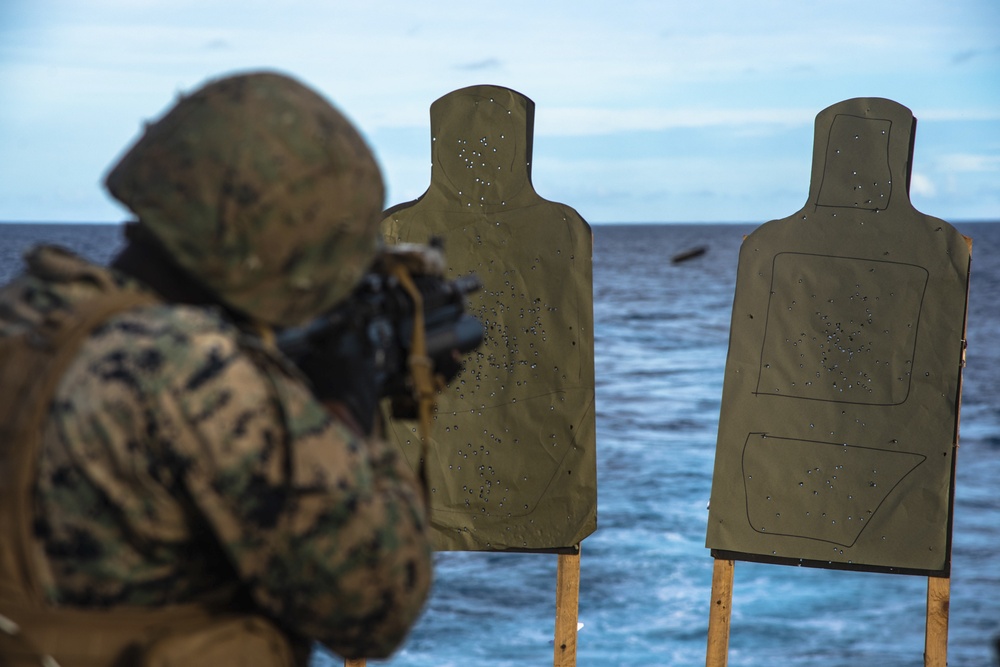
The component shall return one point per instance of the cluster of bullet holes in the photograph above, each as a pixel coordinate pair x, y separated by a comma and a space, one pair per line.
832, 498
850, 343
527, 334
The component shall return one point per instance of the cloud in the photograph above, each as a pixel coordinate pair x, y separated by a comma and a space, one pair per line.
969, 163
479, 65
724, 102
959, 113
217, 44
963, 57
582, 121
922, 186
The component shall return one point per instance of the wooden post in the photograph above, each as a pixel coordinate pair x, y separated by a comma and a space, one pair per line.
356, 662
567, 609
718, 617
936, 633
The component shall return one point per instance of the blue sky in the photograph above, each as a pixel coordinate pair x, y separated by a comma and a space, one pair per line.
646, 111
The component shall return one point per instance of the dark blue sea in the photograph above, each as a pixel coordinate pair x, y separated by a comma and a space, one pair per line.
661, 337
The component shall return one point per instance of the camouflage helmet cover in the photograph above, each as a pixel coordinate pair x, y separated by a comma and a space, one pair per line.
262, 191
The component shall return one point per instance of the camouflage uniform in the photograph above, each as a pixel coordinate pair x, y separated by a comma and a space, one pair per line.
182, 458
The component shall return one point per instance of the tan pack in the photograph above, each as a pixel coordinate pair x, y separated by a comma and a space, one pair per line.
35, 633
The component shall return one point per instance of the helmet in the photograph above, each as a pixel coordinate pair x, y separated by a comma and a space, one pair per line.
260, 190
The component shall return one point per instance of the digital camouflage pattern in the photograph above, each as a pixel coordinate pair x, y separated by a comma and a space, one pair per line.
260, 189
182, 459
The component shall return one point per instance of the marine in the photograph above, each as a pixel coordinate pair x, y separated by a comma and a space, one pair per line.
172, 488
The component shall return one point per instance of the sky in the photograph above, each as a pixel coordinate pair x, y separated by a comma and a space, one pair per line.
646, 110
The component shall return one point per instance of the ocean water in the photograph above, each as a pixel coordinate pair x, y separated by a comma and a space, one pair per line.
661, 333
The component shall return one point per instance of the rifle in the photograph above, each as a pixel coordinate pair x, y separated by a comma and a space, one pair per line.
379, 316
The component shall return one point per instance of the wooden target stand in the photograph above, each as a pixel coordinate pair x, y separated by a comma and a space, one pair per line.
717, 655
938, 588
567, 612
